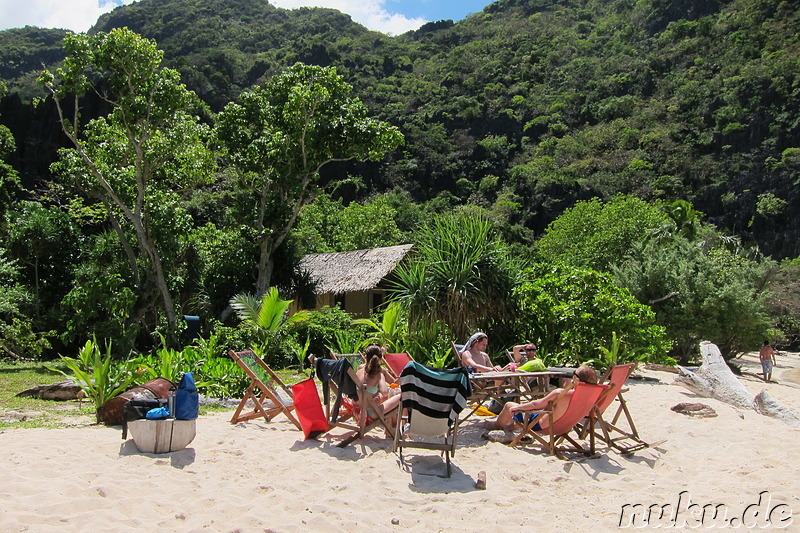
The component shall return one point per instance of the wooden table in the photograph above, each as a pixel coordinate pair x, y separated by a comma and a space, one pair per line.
506, 385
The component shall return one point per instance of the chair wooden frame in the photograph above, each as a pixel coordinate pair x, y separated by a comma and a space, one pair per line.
258, 391
457, 352
616, 376
355, 419
444, 430
584, 398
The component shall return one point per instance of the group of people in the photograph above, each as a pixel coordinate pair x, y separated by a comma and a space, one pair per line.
377, 380
474, 355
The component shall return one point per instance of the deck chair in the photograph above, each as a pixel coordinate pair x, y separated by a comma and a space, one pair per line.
264, 385
356, 359
615, 377
457, 349
346, 412
431, 400
584, 398
396, 362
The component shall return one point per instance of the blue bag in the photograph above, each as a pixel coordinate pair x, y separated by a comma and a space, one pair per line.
157, 413
187, 401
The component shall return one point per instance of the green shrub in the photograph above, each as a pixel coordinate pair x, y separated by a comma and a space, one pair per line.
572, 311
98, 375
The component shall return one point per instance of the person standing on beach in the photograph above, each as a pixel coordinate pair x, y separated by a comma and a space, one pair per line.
767, 356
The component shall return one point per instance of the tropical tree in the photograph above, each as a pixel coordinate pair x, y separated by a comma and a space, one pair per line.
9, 180
700, 293
462, 275
44, 241
595, 234
282, 134
13, 296
133, 160
325, 225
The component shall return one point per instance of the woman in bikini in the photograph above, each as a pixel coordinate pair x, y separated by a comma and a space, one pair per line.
373, 376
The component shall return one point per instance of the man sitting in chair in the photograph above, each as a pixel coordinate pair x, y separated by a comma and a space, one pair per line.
512, 414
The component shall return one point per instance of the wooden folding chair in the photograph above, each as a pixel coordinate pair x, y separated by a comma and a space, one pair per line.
582, 400
615, 377
432, 401
264, 385
354, 414
457, 349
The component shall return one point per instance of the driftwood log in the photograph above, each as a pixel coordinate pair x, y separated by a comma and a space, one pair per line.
63, 391
715, 380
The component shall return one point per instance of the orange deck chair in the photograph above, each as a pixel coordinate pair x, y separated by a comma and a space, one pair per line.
615, 377
583, 400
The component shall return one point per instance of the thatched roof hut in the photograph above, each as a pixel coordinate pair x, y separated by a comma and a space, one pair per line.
355, 278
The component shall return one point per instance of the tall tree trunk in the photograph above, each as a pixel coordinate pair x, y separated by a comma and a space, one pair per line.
265, 266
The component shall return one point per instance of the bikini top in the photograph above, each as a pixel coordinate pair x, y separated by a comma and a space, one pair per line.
373, 390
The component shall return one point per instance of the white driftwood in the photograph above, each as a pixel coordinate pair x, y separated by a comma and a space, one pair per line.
766, 405
714, 379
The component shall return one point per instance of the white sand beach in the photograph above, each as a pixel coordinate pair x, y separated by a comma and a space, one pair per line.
260, 476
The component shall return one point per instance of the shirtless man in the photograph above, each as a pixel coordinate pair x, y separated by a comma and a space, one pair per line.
474, 354
512, 414
767, 356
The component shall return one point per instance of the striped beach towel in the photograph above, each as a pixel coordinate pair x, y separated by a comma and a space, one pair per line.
435, 393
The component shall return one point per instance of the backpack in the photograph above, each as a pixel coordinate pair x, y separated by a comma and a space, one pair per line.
187, 401
137, 409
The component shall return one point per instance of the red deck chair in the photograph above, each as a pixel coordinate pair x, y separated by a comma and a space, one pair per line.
396, 362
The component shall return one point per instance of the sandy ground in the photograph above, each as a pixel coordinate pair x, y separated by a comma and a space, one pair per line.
260, 476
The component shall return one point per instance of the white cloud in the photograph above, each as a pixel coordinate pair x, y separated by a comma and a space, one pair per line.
371, 14
75, 15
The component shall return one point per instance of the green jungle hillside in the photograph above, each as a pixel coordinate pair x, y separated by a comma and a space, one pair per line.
627, 136
528, 105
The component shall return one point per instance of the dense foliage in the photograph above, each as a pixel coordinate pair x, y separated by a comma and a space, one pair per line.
530, 104
599, 126
574, 312
462, 275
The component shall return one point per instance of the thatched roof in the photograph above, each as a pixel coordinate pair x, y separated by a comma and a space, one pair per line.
361, 270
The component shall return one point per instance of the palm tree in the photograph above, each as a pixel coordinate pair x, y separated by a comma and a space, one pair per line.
266, 316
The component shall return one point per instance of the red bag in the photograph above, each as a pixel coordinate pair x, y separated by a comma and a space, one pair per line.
309, 409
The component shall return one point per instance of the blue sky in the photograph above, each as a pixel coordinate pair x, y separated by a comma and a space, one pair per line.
392, 17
